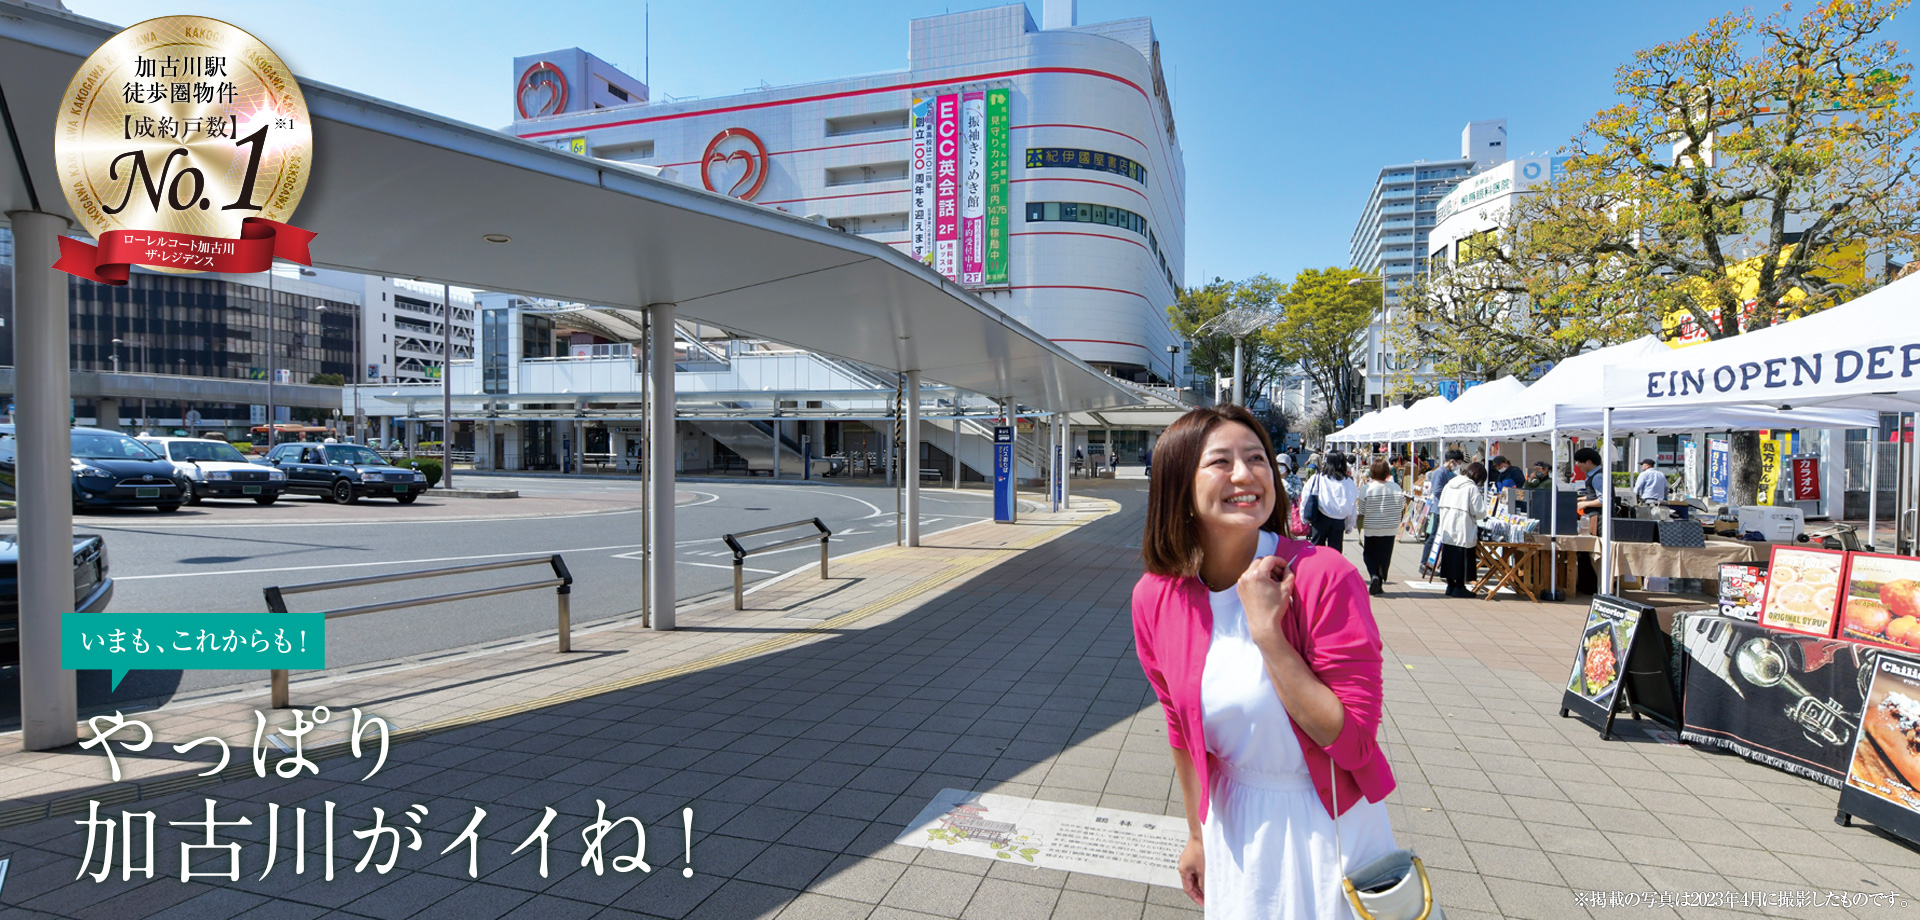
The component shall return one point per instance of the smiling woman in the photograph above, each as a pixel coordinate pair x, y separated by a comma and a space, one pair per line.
1265, 657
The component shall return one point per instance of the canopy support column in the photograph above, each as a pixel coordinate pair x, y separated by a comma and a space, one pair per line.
1553, 517
1606, 500
1873, 485
49, 710
912, 465
660, 458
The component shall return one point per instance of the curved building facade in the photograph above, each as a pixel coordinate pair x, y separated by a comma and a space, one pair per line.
1091, 200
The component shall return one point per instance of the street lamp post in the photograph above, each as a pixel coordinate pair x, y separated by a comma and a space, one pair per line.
1171, 351
270, 371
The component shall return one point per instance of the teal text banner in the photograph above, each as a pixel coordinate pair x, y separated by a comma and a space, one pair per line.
122, 642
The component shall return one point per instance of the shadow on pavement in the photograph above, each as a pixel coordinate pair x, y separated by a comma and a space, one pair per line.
800, 766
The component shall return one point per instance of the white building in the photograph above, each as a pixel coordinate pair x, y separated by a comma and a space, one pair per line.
1391, 240
1091, 201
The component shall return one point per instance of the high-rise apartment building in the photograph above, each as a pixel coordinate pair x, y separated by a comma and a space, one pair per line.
1391, 241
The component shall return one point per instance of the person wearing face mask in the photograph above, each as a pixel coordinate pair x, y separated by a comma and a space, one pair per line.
1266, 659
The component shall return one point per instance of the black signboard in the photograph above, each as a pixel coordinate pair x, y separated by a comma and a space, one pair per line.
1789, 701
1602, 684
1883, 778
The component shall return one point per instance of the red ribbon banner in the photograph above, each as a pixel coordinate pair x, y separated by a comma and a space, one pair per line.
261, 241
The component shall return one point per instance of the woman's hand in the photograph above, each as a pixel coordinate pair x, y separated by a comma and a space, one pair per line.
1192, 866
1266, 593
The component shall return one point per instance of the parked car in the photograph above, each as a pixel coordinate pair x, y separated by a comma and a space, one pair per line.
345, 473
92, 589
110, 470
215, 469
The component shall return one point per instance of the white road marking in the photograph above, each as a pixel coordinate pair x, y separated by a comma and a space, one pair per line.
355, 565
709, 565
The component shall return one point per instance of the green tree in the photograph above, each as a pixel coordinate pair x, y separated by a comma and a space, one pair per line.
328, 380
1744, 178
1212, 352
1324, 320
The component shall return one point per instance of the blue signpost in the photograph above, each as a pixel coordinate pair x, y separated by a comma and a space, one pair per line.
1003, 482
1059, 477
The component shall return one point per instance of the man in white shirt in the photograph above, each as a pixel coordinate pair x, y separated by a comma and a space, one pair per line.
1652, 484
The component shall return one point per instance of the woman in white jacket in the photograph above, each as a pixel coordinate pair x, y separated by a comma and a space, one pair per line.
1335, 503
1462, 504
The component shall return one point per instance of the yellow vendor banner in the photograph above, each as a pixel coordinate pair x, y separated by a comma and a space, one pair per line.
1769, 470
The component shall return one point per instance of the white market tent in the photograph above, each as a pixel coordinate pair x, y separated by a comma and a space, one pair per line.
1421, 421
1861, 355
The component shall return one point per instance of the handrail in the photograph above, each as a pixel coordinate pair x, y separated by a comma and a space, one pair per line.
561, 583
740, 553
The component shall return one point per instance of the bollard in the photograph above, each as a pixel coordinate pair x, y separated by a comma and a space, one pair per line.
563, 597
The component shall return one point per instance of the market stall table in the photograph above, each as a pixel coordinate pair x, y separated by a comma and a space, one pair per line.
1520, 566
1644, 560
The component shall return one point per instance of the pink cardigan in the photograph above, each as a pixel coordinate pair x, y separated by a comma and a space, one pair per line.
1333, 629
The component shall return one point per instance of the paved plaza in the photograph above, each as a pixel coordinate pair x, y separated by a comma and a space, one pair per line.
808, 731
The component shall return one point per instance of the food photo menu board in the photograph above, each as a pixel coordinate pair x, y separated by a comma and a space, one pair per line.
1882, 601
1803, 590
1883, 780
1600, 663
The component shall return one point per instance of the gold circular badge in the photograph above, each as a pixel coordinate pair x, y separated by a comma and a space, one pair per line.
186, 125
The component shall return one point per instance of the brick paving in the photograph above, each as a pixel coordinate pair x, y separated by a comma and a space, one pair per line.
807, 732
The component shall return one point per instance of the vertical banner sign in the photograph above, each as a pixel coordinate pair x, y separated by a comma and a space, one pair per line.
1059, 477
1690, 461
182, 144
1806, 479
946, 185
920, 215
999, 120
1719, 470
1003, 485
1769, 470
973, 166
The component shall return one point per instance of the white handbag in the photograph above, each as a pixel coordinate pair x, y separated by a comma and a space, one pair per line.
1392, 887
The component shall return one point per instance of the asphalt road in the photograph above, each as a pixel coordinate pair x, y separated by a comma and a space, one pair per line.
218, 556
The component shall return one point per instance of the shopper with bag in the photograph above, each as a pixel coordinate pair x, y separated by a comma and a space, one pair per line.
1382, 503
1267, 662
1330, 503
1462, 504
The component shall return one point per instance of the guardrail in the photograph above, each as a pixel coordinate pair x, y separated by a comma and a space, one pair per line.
740, 553
561, 582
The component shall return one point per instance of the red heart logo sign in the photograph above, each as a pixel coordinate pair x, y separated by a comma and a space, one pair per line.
716, 167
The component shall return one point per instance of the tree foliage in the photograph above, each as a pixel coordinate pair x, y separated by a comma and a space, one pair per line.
1745, 177
1324, 320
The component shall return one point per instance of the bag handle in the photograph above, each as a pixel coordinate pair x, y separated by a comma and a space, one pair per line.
1346, 881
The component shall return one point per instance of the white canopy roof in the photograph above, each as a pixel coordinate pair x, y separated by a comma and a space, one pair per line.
1421, 421
1569, 399
1367, 425
1467, 416
399, 192
1861, 355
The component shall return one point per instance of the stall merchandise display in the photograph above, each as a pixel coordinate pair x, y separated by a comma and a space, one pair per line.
1803, 590
1743, 585
1882, 602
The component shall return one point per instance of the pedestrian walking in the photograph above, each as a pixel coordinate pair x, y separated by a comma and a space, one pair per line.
1381, 504
1266, 660
1331, 503
1462, 504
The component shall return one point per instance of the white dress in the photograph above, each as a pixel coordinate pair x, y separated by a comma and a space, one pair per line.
1268, 841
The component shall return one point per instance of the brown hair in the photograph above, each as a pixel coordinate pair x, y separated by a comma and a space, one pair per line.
1380, 470
1171, 544
1476, 472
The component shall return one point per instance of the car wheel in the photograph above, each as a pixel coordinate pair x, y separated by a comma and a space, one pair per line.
188, 495
343, 493
405, 499
266, 499
164, 509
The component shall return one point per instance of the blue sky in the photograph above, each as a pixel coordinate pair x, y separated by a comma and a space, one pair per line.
1286, 110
